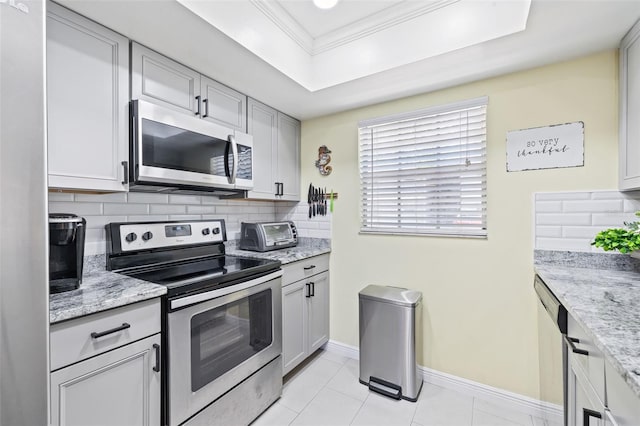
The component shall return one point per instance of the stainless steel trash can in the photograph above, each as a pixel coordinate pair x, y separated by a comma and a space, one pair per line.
390, 337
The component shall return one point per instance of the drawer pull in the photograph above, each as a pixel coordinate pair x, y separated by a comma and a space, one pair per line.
571, 341
307, 268
124, 326
587, 414
156, 347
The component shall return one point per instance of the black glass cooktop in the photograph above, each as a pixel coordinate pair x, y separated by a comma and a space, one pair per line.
206, 273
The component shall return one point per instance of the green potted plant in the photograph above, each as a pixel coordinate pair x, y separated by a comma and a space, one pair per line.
624, 240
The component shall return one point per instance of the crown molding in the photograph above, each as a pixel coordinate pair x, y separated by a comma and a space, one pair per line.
285, 22
379, 21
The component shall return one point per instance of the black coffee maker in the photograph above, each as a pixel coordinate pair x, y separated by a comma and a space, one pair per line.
66, 251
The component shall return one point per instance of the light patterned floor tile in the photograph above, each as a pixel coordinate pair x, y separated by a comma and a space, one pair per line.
276, 415
480, 418
347, 381
384, 411
305, 384
329, 407
513, 415
443, 407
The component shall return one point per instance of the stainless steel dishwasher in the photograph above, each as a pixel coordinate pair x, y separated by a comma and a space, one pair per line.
558, 314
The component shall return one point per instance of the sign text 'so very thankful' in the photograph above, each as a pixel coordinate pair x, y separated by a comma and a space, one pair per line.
550, 147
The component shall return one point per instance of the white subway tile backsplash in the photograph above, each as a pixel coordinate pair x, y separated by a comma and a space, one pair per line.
185, 199
167, 209
549, 207
81, 209
208, 209
583, 215
581, 231
147, 198
592, 206
553, 196
631, 205
563, 219
612, 220
574, 244
549, 231
101, 209
124, 208
60, 196
118, 197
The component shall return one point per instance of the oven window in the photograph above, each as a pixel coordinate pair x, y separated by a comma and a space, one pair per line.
224, 337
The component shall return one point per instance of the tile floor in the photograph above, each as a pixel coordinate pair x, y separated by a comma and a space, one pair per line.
325, 391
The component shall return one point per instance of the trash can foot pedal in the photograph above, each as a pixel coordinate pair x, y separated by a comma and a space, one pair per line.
385, 388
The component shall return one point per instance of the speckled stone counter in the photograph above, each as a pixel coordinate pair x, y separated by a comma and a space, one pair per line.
100, 290
602, 293
307, 247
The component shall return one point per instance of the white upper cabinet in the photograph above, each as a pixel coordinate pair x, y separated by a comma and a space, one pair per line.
223, 105
629, 164
158, 79
87, 103
276, 144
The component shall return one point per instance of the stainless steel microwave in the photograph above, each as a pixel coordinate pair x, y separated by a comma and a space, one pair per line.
172, 151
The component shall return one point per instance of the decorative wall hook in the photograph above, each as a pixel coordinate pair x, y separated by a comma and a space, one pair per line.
322, 163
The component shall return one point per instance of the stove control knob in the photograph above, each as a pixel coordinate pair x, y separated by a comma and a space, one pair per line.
205, 231
147, 236
215, 230
131, 237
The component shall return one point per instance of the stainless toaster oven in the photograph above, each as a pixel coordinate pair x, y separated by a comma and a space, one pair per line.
266, 236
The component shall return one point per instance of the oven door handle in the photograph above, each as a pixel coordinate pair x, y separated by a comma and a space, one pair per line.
203, 297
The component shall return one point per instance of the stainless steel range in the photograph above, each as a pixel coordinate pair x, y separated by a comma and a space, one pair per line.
222, 319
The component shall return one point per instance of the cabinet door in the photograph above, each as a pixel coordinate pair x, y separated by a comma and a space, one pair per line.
119, 387
585, 408
158, 79
629, 146
289, 157
87, 103
262, 123
318, 307
621, 400
223, 105
294, 325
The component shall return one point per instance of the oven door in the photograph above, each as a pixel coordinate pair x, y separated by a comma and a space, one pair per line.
219, 338
174, 148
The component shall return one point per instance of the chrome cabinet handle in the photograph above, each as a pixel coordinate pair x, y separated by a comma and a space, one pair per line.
96, 335
156, 347
571, 341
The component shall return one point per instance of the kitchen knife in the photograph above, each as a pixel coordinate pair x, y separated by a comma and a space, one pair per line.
309, 195
324, 199
315, 201
321, 202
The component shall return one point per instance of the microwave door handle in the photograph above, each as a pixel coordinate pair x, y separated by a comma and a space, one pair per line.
234, 151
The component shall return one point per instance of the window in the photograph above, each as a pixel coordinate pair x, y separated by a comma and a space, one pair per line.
424, 172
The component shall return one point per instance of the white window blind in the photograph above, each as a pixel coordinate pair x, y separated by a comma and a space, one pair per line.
424, 172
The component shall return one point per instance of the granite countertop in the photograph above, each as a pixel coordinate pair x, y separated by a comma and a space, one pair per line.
100, 290
307, 247
602, 293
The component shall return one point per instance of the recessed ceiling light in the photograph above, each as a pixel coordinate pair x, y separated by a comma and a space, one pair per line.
325, 4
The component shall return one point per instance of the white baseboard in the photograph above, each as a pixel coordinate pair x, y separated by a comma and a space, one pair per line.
525, 404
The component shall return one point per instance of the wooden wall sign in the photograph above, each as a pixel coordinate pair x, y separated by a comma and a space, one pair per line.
550, 147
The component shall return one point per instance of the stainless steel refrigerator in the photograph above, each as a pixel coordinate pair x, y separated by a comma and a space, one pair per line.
24, 300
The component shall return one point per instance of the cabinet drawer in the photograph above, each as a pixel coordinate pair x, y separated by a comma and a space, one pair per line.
592, 363
304, 268
71, 341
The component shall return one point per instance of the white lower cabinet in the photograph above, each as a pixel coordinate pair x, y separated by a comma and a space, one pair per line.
305, 309
120, 387
107, 368
585, 407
